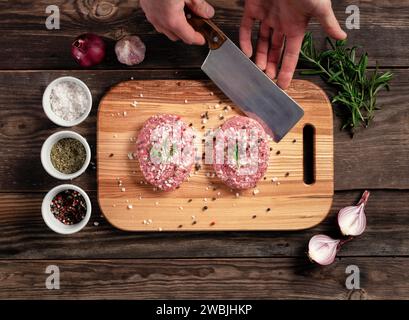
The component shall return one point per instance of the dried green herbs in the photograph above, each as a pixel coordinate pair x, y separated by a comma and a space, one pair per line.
68, 155
342, 69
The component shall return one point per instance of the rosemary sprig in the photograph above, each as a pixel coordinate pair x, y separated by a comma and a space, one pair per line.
356, 87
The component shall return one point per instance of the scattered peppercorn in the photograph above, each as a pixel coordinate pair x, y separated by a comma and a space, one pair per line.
111, 155
254, 216
287, 174
268, 209
278, 152
205, 208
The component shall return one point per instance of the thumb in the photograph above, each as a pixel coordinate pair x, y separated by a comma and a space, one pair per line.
331, 25
201, 8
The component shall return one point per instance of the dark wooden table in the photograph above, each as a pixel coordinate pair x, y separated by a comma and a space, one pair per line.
101, 262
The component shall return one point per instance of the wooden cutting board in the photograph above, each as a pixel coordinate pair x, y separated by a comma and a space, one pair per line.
282, 201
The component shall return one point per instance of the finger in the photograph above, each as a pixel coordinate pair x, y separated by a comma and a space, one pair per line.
263, 43
245, 35
182, 29
290, 60
274, 54
171, 35
331, 25
167, 33
201, 8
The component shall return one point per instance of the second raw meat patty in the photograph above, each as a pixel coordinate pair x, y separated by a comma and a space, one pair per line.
241, 152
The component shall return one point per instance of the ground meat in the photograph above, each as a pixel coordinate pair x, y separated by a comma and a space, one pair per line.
165, 150
240, 153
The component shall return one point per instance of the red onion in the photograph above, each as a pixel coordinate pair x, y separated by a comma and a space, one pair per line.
323, 249
88, 50
130, 50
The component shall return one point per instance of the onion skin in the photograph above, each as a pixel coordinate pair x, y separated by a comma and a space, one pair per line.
130, 50
88, 50
323, 249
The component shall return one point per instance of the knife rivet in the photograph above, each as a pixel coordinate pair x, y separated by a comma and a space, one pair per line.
216, 39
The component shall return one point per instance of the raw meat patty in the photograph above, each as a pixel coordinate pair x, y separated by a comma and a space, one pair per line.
165, 150
241, 152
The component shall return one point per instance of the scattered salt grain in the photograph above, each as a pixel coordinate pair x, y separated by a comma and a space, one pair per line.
130, 206
131, 156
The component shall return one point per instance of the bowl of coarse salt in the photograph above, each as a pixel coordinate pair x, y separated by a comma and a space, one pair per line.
67, 101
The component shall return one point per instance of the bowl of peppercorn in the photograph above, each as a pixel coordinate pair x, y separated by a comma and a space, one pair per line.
66, 209
65, 155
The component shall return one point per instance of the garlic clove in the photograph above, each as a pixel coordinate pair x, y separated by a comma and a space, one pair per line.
323, 249
352, 219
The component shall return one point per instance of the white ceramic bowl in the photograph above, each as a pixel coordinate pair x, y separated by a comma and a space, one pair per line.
50, 113
52, 222
46, 155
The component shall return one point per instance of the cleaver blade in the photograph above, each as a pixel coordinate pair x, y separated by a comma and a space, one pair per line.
245, 84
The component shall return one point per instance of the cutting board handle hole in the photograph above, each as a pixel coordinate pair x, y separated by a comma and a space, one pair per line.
309, 154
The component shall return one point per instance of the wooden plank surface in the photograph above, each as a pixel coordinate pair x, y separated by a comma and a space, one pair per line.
25, 236
375, 158
293, 278
22, 24
293, 204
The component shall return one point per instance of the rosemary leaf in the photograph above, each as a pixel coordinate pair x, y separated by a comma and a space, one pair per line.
356, 87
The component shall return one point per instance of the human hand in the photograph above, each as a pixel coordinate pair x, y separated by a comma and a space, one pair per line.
283, 21
168, 17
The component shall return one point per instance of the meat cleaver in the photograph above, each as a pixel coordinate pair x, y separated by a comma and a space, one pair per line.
244, 83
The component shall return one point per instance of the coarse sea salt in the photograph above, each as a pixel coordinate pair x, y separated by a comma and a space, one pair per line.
68, 100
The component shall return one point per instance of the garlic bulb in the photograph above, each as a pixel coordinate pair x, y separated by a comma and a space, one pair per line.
130, 50
323, 249
352, 220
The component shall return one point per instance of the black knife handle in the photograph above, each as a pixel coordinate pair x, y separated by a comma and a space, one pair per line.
213, 35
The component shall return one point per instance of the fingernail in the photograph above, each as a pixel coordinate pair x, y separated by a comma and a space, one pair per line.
210, 11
